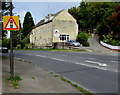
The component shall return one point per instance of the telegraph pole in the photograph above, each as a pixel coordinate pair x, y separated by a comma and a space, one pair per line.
11, 47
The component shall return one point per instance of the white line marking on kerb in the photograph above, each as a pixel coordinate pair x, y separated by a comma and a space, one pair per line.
114, 61
100, 64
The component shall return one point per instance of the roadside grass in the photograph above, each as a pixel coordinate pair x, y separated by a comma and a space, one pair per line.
78, 87
56, 75
4, 57
33, 78
22, 60
75, 50
73, 84
51, 72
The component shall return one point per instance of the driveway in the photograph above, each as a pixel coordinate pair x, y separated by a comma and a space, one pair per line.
96, 47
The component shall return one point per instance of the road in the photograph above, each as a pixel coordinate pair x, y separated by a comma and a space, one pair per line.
97, 73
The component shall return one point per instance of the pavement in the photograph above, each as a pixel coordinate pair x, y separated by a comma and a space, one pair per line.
43, 81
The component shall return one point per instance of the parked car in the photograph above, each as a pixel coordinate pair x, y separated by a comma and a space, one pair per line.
4, 49
73, 43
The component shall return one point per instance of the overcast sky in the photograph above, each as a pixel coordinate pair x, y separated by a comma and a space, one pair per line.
40, 9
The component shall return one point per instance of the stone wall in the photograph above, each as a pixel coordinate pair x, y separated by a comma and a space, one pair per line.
42, 35
65, 27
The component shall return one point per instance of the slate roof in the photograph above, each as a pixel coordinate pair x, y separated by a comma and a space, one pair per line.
43, 20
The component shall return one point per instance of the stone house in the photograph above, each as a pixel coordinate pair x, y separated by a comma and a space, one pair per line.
55, 28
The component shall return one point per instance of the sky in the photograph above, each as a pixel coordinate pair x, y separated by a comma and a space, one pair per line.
40, 9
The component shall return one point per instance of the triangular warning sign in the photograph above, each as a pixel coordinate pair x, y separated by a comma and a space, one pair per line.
11, 25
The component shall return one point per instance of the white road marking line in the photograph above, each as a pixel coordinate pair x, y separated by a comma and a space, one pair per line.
64, 55
27, 54
100, 64
79, 57
78, 63
61, 54
91, 66
75, 62
115, 70
90, 58
114, 61
57, 59
40, 55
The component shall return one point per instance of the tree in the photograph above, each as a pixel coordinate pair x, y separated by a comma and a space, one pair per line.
17, 36
28, 24
114, 21
99, 11
83, 21
6, 43
93, 14
81, 15
74, 11
5, 8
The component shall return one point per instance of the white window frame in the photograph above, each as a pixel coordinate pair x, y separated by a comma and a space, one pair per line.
64, 37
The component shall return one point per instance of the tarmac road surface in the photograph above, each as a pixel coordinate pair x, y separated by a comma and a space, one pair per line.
97, 73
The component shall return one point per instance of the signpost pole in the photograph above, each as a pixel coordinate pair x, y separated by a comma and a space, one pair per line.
11, 47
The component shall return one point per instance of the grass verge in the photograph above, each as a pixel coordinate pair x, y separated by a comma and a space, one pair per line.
78, 87
75, 50
56, 75
73, 84
4, 57
33, 78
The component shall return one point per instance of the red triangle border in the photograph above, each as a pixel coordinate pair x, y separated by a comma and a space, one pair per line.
11, 28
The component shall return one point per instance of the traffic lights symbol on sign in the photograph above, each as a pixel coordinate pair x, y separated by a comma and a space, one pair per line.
11, 23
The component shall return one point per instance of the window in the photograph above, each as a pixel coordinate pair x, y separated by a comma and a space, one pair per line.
64, 37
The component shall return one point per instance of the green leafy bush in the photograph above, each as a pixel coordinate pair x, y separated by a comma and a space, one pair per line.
14, 81
0, 42
83, 38
6, 42
15, 78
110, 39
25, 41
85, 43
18, 46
